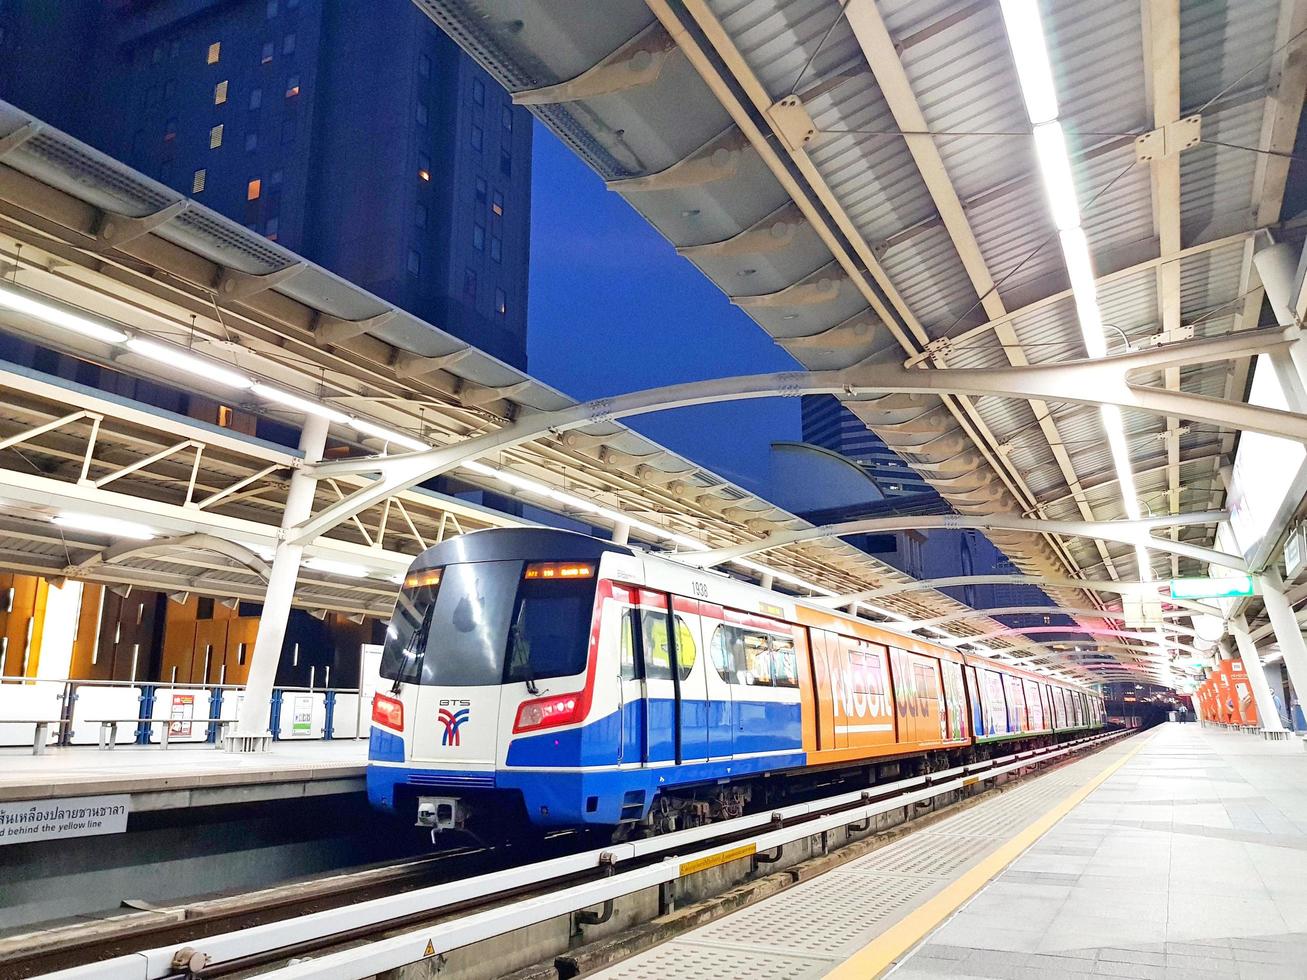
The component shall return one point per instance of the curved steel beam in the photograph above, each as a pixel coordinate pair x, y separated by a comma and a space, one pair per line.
919, 624
1149, 638
1104, 381
1122, 532
184, 542
1122, 586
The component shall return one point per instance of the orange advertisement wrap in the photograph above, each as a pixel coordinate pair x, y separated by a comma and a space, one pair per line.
1226, 696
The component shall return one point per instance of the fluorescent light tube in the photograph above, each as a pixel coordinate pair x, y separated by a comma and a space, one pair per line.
109, 526
306, 405
57, 316
387, 435
183, 360
343, 568
1055, 166
1025, 35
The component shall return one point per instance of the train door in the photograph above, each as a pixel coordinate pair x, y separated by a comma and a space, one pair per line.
662, 704
973, 696
718, 666
632, 696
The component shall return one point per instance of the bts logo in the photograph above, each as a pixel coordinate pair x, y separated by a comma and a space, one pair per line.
453, 721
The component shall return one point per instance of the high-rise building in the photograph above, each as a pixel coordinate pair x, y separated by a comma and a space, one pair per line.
829, 425
357, 134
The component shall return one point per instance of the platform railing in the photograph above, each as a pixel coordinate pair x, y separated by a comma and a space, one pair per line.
187, 712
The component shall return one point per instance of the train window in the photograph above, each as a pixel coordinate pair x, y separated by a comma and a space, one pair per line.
630, 666
550, 631
866, 672
785, 665
721, 650
753, 658
657, 657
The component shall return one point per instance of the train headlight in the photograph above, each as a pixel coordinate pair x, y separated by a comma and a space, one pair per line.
388, 712
563, 709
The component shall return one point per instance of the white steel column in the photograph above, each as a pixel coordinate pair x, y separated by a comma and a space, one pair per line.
1287, 632
252, 733
1267, 714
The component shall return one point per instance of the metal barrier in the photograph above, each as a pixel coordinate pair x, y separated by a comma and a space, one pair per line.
188, 713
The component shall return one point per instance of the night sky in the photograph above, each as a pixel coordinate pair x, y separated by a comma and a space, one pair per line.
613, 309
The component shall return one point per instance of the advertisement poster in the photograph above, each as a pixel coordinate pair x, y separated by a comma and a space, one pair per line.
181, 715
301, 719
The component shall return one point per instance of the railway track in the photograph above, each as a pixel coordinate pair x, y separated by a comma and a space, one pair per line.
235, 935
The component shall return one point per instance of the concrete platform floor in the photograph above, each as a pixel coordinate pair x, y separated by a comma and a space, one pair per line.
182, 768
1178, 853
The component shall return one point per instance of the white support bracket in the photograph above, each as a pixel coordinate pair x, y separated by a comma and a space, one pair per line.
334, 331
790, 118
236, 286
1169, 140
117, 230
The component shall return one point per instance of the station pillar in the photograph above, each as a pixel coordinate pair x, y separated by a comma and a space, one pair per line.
1267, 714
252, 733
1287, 631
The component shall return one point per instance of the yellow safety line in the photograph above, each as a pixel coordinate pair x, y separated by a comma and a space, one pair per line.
882, 951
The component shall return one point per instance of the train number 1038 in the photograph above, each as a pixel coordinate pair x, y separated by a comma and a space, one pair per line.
699, 589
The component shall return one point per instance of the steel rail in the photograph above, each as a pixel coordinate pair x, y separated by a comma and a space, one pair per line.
650, 865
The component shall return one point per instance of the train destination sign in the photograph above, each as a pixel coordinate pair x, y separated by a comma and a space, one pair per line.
1225, 587
81, 816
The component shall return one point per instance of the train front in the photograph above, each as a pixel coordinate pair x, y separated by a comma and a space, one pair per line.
488, 712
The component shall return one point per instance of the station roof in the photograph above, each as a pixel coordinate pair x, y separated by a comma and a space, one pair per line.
96, 239
860, 178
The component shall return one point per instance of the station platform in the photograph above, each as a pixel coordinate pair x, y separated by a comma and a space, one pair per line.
1180, 852
185, 776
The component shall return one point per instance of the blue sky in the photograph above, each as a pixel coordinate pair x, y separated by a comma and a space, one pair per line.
613, 308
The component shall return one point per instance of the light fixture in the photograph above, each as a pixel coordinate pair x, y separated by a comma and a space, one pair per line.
109, 526
21, 301
1055, 166
387, 435
306, 405
1025, 35
333, 567
183, 360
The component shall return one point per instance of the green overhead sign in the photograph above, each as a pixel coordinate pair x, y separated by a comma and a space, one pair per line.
1231, 587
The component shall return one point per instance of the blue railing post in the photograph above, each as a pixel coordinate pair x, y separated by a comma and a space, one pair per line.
329, 711
144, 714
66, 715
215, 713
274, 714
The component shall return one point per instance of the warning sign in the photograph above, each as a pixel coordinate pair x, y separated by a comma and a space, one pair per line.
181, 715
718, 859
430, 950
22, 821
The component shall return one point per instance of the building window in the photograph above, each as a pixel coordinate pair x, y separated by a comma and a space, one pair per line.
271, 228
496, 248
497, 205
424, 167
170, 130
251, 142
506, 118
420, 216
414, 262
481, 190
266, 56
478, 236
477, 137
424, 66
219, 93
253, 189
422, 113
256, 98
215, 52
501, 302
288, 44
469, 284
224, 418
272, 9
292, 86
478, 91
505, 163
215, 137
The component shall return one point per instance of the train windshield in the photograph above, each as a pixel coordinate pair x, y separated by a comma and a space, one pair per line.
485, 623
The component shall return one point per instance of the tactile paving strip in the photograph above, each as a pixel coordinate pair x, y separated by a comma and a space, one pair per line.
807, 929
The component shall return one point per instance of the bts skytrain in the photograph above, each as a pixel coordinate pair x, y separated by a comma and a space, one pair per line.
534, 675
